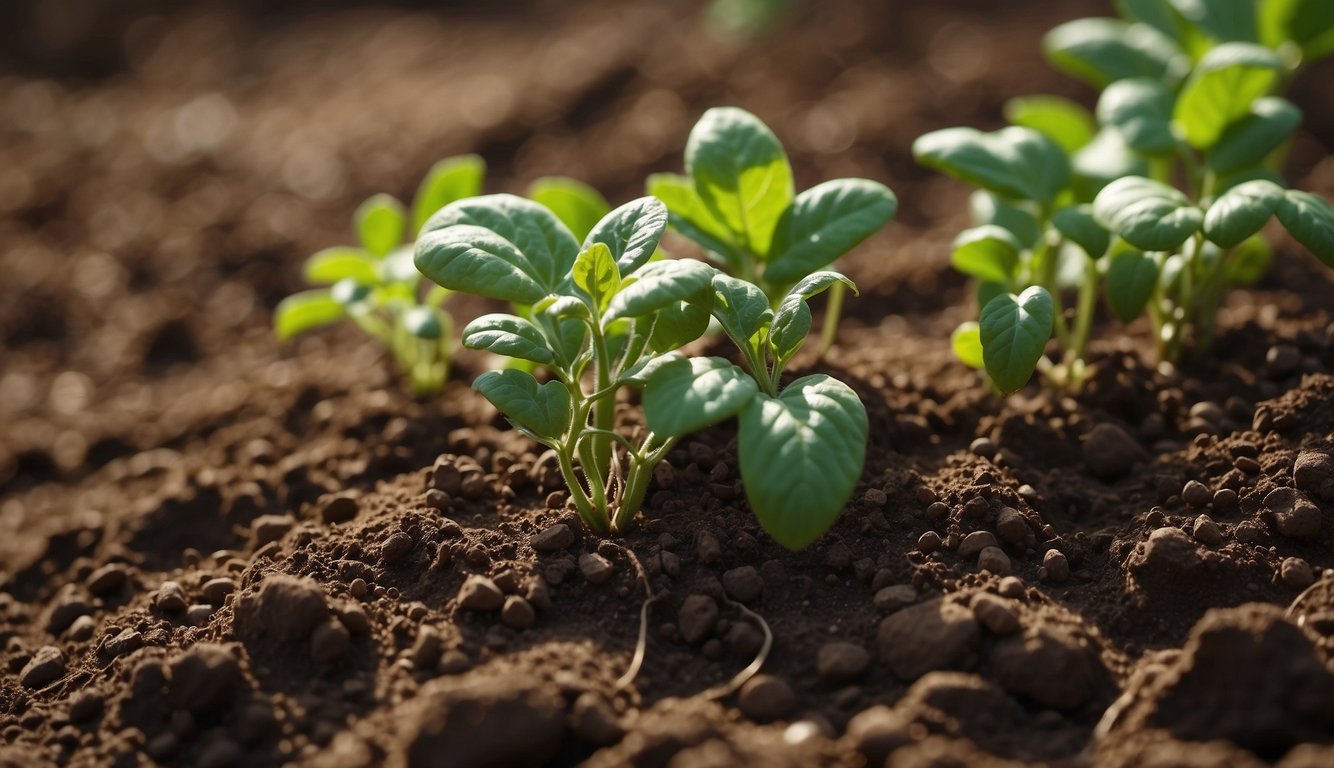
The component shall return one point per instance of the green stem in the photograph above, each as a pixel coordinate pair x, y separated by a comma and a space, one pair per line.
593, 516
833, 310
1088, 295
639, 478
604, 407
1047, 257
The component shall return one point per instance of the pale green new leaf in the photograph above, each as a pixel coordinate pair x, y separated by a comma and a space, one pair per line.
1241, 211
658, 284
792, 322
305, 310
509, 336
631, 232
685, 396
741, 174
966, 341
1252, 138
688, 215
825, 222
1063, 121
1310, 219
1015, 162
989, 253
543, 409
449, 180
1131, 278
595, 274
1140, 109
1014, 331
1147, 214
380, 224
330, 265
577, 205
426, 323
1222, 88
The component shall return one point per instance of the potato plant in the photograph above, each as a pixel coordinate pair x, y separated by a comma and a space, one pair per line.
736, 202
601, 318
1155, 200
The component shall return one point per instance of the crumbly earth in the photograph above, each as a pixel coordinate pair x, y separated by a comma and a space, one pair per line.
220, 551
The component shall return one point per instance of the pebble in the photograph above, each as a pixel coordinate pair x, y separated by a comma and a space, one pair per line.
928, 636
1247, 465
765, 698
839, 662
593, 720
446, 476
358, 587
1206, 531
1225, 500
1110, 453
329, 642
85, 705
396, 546
266, 529
697, 618
353, 617
995, 613
1196, 494
983, 446
743, 584
595, 568
1282, 359
1295, 516
1171, 549
437, 499
894, 597
744, 639
45, 667
518, 613
928, 542
975, 542
553, 538
429, 646
215, 591
481, 594
1047, 666
1011, 586
1296, 573
199, 614
995, 560
107, 579
1314, 472
838, 556
170, 597
877, 731
707, 548
1056, 565
82, 629
339, 508
126, 641
206, 678
1012, 526
286, 608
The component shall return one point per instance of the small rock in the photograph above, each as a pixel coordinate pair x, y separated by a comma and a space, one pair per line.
427, 649
1171, 549
1295, 516
481, 594
395, 547
878, 731
1196, 494
1012, 526
206, 678
339, 508
839, 662
215, 591
995, 560
170, 597
438, 500
995, 613
928, 542
744, 639
1110, 453
285, 608
1296, 573
1225, 500
45, 667
1314, 472
894, 597
199, 614
353, 617
593, 720
85, 705
126, 641
1208, 411
765, 698
1049, 667
1282, 360
838, 557
975, 542
743, 584
697, 618
1012, 587
1056, 565
707, 548
82, 629
928, 636
266, 529
329, 642
1247, 464
553, 538
107, 579
1206, 531
446, 476
518, 613
983, 446
595, 568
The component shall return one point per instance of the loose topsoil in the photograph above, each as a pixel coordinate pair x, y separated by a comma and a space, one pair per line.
218, 550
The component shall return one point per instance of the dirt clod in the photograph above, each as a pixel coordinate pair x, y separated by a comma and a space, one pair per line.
994, 560
328, 642
1206, 531
932, 635
483, 722
170, 598
840, 661
1314, 472
697, 617
215, 591
765, 698
285, 609
1048, 666
204, 679
743, 584
593, 720
995, 613
480, 594
1296, 573
1168, 549
1110, 453
1196, 494
595, 568
107, 579
339, 508
553, 538
877, 731
1294, 515
518, 613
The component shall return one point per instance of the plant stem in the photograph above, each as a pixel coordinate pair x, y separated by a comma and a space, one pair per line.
1088, 294
592, 517
604, 408
1046, 256
833, 310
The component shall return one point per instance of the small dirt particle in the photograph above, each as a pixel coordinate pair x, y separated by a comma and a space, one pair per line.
205, 678
839, 662
339, 508
1196, 494
170, 598
671, 563
1296, 573
1247, 465
438, 500
480, 594
427, 649
553, 538
445, 476
1282, 360
358, 587
1225, 500
895, 597
85, 705
838, 556
395, 547
329, 642
743, 584
267, 529
928, 636
593, 720
1294, 515
1012, 526
1110, 453
125, 641
707, 548
975, 542
983, 446
595, 568
518, 613
199, 614
765, 698
1206, 531
45, 667
928, 542
354, 618
1056, 565
697, 618
107, 579
215, 591
875, 497
995, 560
878, 731
995, 613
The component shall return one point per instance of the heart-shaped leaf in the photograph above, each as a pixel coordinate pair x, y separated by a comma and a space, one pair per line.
1140, 109
1063, 121
1014, 332
688, 215
1077, 224
1241, 211
1252, 138
685, 396
449, 180
1102, 51
543, 409
631, 232
801, 454
380, 224
825, 222
988, 253
577, 205
1015, 162
305, 310
658, 284
1222, 88
508, 335
1147, 214
547, 246
1310, 219
741, 174
1131, 278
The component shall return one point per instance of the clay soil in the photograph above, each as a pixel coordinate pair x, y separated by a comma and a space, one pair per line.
218, 550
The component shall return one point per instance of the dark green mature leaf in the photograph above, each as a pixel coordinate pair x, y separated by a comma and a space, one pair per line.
543, 409
792, 322
577, 205
1106, 159
1014, 162
657, 285
688, 215
1131, 278
1147, 214
380, 224
989, 253
450, 179
1076, 224
1063, 121
1014, 332
1308, 23
1222, 88
475, 260
1249, 140
741, 308
801, 454
547, 246
333, 264
680, 323
1155, 13
426, 323
596, 276
741, 174
305, 310
1140, 109
1222, 20
1241, 211
966, 341
1310, 219
825, 222
508, 335
1102, 51
685, 396
631, 232
987, 208
817, 282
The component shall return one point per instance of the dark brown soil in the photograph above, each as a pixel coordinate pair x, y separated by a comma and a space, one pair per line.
218, 550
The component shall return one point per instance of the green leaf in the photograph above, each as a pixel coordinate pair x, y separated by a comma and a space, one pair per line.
741, 308
631, 232
380, 223
543, 409
791, 324
547, 246
509, 336
303, 311
966, 342
688, 215
987, 208
1307, 23
1131, 278
1252, 138
577, 205
657, 285
989, 253
1014, 162
818, 282
1241, 211
1076, 224
1221, 20
1063, 121
1155, 13
681, 322
688, 395
741, 174
1014, 332
986, 291
350, 293
476, 260
333, 264
1248, 262
1140, 109
1147, 214
1222, 88
1102, 51
1103, 161
825, 222
1310, 219
426, 323
801, 455
451, 179
596, 275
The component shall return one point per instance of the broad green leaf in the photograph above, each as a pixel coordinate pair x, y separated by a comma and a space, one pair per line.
1222, 88
817, 282
1223, 21
1102, 51
476, 260
596, 275
1248, 262
1241, 211
1147, 214
303, 311
1155, 13
451, 179
741, 308
688, 215
426, 323
1015, 162
741, 174
639, 374
657, 285
688, 395
792, 322
1014, 332
1140, 109
681, 322
577, 205
1310, 219
547, 246
989, 253
1169, 272
987, 208
508, 335
801, 454
1106, 159
825, 222
333, 264
966, 341
380, 224
1252, 138
1076, 224
631, 232
1063, 121
1254, 173
543, 409
986, 291
1131, 278
1307, 23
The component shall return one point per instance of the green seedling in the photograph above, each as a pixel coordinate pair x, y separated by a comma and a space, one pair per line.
736, 202
603, 319
1155, 200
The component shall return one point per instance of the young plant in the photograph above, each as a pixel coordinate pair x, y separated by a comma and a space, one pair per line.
736, 202
604, 319
1072, 201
